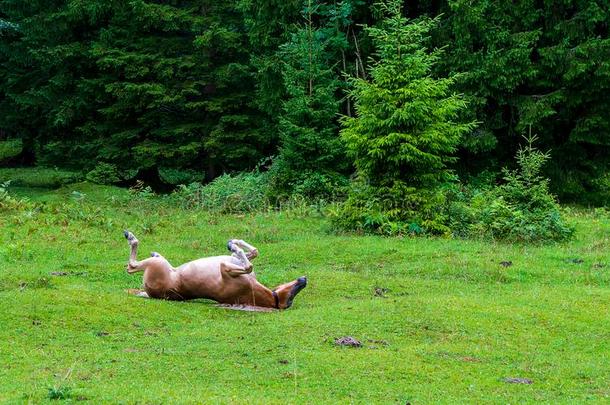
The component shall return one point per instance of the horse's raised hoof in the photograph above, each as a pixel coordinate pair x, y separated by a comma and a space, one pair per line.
131, 238
300, 284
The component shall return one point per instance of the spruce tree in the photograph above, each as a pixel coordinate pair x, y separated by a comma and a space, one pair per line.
312, 159
405, 131
541, 64
45, 91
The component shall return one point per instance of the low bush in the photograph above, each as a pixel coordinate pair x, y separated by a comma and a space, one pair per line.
243, 192
104, 173
176, 176
285, 182
398, 210
10, 149
9, 202
39, 177
520, 209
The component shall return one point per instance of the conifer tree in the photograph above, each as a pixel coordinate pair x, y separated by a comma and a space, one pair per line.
405, 131
46, 95
312, 159
535, 63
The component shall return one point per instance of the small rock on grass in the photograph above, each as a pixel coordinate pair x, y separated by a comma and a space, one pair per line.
518, 380
380, 291
348, 341
506, 263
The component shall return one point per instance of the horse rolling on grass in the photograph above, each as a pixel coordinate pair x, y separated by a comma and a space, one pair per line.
225, 279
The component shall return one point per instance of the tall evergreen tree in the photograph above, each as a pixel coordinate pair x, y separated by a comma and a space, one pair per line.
405, 131
45, 91
312, 159
541, 64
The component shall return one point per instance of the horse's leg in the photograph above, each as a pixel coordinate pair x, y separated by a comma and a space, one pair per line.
233, 270
251, 253
239, 254
134, 265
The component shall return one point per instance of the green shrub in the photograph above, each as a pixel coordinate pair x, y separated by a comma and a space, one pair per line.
601, 191
396, 210
243, 192
8, 202
10, 149
39, 177
55, 393
104, 173
521, 209
176, 176
285, 182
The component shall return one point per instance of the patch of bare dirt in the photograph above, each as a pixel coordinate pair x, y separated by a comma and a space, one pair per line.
247, 308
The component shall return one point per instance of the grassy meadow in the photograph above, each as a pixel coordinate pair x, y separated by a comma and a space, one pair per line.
440, 320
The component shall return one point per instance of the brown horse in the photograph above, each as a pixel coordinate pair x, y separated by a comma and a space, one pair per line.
225, 279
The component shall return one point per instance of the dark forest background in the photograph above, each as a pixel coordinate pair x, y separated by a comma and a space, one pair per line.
179, 91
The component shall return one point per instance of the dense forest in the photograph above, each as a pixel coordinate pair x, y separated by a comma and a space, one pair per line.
407, 95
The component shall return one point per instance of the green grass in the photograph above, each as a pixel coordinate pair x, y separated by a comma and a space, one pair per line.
452, 325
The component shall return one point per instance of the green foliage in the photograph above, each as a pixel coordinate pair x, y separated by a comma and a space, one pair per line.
39, 177
396, 210
10, 149
311, 155
201, 86
9, 202
176, 176
406, 128
104, 173
521, 209
134, 84
535, 63
7, 28
404, 134
62, 392
244, 192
